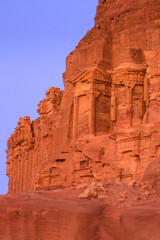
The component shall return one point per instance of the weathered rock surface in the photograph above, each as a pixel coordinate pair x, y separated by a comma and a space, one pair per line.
48, 216
59, 215
141, 222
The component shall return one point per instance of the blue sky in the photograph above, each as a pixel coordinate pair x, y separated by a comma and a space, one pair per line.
35, 38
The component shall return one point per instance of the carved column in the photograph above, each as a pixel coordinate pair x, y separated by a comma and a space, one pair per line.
92, 111
75, 118
21, 173
146, 91
18, 187
8, 168
10, 183
129, 105
29, 173
31, 161
25, 175
113, 107
14, 175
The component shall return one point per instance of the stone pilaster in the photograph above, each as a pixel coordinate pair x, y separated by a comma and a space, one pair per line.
75, 118
92, 112
129, 105
113, 106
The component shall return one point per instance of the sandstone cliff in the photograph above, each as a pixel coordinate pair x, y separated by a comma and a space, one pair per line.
105, 126
99, 138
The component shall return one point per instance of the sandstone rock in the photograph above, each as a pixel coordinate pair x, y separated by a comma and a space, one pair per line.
141, 222
55, 215
101, 188
121, 200
151, 176
83, 196
50, 215
145, 187
122, 195
81, 186
132, 183
90, 192
153, 192
147, 193
101, 197
137, 198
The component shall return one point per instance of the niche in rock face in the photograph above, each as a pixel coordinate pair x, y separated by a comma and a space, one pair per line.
83, 115
137, 105
122, 118
102, 114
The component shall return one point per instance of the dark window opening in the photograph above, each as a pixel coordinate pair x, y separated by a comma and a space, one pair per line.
60, 160
84, 163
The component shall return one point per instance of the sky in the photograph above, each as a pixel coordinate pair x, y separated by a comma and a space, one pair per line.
35, 38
